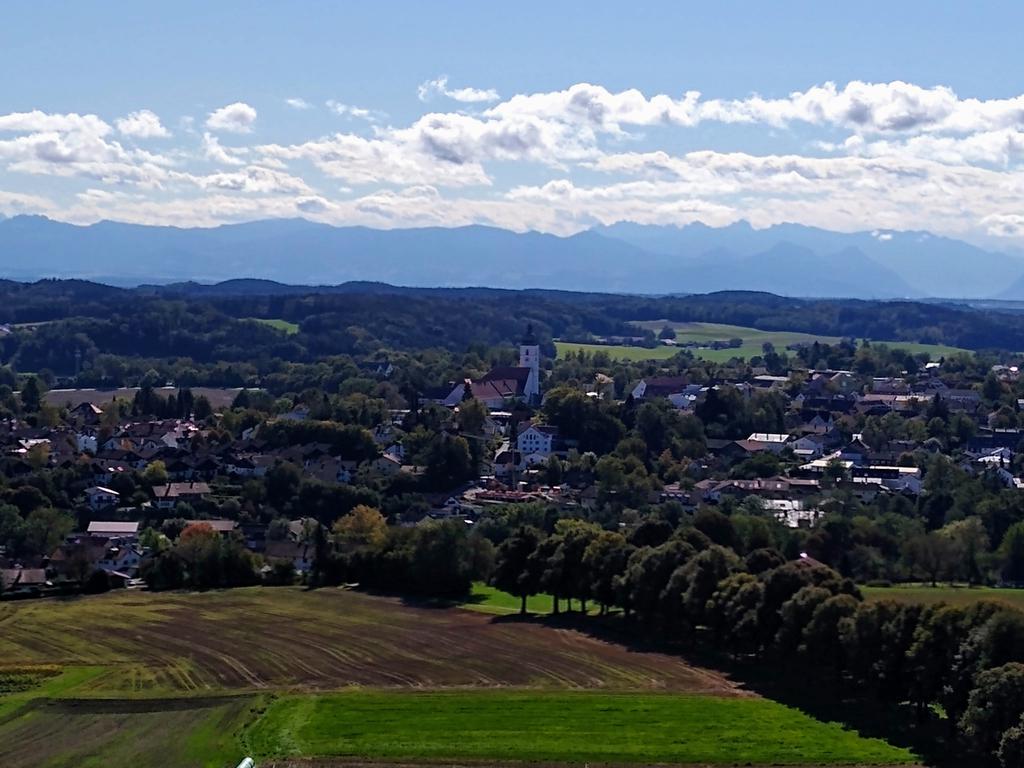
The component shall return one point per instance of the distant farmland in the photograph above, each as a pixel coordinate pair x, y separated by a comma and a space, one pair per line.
961, 595
753, 341
286, 326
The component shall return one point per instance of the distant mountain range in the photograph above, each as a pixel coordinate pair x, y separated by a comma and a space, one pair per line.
788, 259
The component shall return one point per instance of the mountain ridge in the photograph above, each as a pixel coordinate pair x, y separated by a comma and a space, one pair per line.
786, 259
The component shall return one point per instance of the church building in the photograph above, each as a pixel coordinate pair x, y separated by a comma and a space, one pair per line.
506, 382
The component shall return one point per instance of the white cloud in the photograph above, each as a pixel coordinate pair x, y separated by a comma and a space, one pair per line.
298, 103
36, 121
348, 110
15, 203
253, 179
216, 153
235, 118
879, 157
895, 107
1009, 225
439, 87
142, 124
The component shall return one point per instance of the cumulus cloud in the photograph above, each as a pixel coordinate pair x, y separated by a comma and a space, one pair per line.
439, 87
868, 156
37, 121
234, 118
216, 153
298, 103
893, 107
142, 124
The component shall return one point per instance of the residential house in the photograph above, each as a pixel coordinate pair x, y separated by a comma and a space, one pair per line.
768, 441
659, 386
112, 529
299, 553
167, 496
99, 497
23, 581
537, 439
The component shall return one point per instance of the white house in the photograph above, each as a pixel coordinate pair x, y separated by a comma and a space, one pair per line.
537, 439
121, 557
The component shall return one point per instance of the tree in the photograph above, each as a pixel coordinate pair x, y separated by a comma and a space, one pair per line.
31, 394
472, 416
449, 462
932, 554
553, 471
442, 560
970, 542
364, 526
155, 473
605, 561
282, 483
1011, 552
197, 549
1011, 746
706, 570
45, 528
995, 705
667, 333
515, 568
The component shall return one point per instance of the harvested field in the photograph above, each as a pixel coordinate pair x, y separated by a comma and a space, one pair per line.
256, 639
219, 397
179, 733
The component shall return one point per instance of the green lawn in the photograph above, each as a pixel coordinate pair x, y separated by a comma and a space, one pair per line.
558, 728
753, 339
281, 325
961, 595
487, 599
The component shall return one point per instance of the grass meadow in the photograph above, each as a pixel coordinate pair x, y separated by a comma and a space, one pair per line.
285, 326
753, 340
559, 727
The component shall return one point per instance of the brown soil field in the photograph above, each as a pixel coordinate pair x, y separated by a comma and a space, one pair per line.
168, 733
257, 639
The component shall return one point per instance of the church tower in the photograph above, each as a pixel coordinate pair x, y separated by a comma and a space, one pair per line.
529, 357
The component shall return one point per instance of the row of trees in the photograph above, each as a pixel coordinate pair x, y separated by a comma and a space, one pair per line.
792, 617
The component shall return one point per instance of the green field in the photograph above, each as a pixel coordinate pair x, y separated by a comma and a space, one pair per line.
955, 595
753, 340
486, 599
562, 728
281, 325
177, 680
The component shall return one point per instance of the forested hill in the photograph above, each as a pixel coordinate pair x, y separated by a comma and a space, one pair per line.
216, 322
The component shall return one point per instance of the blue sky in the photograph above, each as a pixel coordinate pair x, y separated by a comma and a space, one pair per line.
552, 116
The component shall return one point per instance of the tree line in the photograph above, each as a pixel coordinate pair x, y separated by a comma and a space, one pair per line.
792, 617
